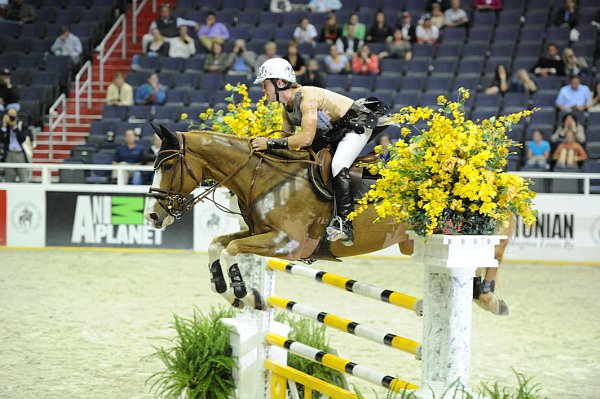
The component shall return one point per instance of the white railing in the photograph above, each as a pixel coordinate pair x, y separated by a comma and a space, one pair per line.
105, 53
586, 177
81, 88
135, 12
56, 118
48, 168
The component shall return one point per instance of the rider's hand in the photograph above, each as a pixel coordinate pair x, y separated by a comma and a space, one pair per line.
259, 144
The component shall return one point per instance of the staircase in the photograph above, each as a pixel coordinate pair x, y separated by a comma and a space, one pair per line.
76, 133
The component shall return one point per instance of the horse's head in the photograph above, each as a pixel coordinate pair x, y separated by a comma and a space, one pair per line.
173, 181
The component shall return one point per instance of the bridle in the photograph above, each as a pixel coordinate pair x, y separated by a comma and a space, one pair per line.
176, 203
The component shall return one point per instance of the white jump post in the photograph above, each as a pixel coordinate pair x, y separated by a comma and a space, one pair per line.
450, 263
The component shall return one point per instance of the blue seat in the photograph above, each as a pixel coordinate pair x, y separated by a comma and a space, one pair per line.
44, 78
187, 80
167, 113
9, 30
270, 18
262, 33
386, 83
150, 63
211, 81
167, 78
69, 17
32, 61
417, 65
34, 31
488, 101
361, 81
337, 81
391, 65
8, 61
136, 78
201, 97
101, 127
439, 83
178, 96
114, 112
100, 176
47, 14
140, 112
21, 45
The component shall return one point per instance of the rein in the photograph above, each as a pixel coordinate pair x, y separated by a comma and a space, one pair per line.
177, 204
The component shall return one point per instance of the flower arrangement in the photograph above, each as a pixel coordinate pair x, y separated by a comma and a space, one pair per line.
451, 177
241, 119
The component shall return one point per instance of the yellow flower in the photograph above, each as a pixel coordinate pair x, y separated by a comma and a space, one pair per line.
228, 87
184, 116
441, 100
203, 116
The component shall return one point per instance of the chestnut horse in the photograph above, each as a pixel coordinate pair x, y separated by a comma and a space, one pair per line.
286, 216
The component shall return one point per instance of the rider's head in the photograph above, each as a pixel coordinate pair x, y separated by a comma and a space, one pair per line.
275, 75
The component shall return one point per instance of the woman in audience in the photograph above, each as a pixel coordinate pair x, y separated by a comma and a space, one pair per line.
365, 63
295, 59
522, 83
427, 33
312, 77
566, 15
538, 151
500, 82
569, 124
183, 45
158, 46
152, 92
119, 92
574, 66
335, 62
437, 16
594, 101
360, 29
569, 152
397, 47
331, 30
380, 30
384, 142
217, 60
305, 32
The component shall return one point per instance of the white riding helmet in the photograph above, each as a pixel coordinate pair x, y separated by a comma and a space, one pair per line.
275, 68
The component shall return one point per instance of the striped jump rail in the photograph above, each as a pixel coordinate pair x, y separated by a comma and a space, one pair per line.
348, 326
348, 284
339, 364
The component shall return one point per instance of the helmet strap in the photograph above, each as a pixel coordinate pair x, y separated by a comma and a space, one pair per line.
277, 89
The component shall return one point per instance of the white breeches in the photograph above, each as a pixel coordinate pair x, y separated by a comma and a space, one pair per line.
348, 149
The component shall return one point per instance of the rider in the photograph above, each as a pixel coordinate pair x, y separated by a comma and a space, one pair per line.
324, 118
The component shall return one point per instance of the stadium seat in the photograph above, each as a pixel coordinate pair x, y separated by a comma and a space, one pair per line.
114, 112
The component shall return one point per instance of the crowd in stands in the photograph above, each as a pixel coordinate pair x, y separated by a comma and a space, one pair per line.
405, 55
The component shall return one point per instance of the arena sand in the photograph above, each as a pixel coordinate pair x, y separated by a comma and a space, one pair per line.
76, 324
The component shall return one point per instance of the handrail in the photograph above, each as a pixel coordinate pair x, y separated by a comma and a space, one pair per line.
586, 177
80, 89
121, 39
55, 118
134, 16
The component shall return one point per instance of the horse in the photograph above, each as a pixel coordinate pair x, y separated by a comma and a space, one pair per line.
285, 215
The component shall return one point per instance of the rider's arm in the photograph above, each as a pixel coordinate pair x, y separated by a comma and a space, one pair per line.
308, 126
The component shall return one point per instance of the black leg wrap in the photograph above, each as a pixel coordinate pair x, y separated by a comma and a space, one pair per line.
258, 301
476, 287
218, 279
237, 282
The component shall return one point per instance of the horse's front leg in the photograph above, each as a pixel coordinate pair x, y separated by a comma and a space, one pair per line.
217, 280
273, 243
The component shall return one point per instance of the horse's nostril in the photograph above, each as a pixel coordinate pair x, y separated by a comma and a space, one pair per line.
153, 216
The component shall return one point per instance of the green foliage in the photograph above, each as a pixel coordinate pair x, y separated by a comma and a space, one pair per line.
198, 361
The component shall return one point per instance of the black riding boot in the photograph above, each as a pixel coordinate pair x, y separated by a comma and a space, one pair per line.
340, 228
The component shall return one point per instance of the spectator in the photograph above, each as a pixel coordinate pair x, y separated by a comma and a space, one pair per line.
17, 11
500, 83
312, 77
443, 4
569, 152
8, 93
280, 6
384, 141
566, 15
167, 25
569, 124
349, 44
409, 31
359, 28
427, 33
380, 30
324, 5
365, 63
270, 52
574, 65
241, 61
594, 101
335, 62
456, 16
17, 141
119, 92
130, 153
397, 47
522, 83
549, 64
217, 61
67, 44
487, 5
305, 32
331, 30
538, 151
183, 45
573, 96
437, 16
295, 59
152, 92
212, 31
157, 46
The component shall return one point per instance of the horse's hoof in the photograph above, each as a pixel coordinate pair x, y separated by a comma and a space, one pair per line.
237, 304
491, 303
259, 304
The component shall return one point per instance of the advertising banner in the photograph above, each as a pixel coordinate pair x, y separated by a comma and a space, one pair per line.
210, 222
567, 229
25, 217
109, 220
2, 217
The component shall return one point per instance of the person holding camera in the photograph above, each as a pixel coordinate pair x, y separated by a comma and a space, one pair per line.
17, 140
241, 61
8, 94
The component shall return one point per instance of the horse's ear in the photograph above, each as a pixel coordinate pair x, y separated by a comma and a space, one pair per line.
156, 130
169, 136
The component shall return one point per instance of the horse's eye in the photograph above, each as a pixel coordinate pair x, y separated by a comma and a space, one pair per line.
167, 166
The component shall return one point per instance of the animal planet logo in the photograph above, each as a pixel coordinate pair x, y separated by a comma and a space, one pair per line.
103, 219
26, 217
